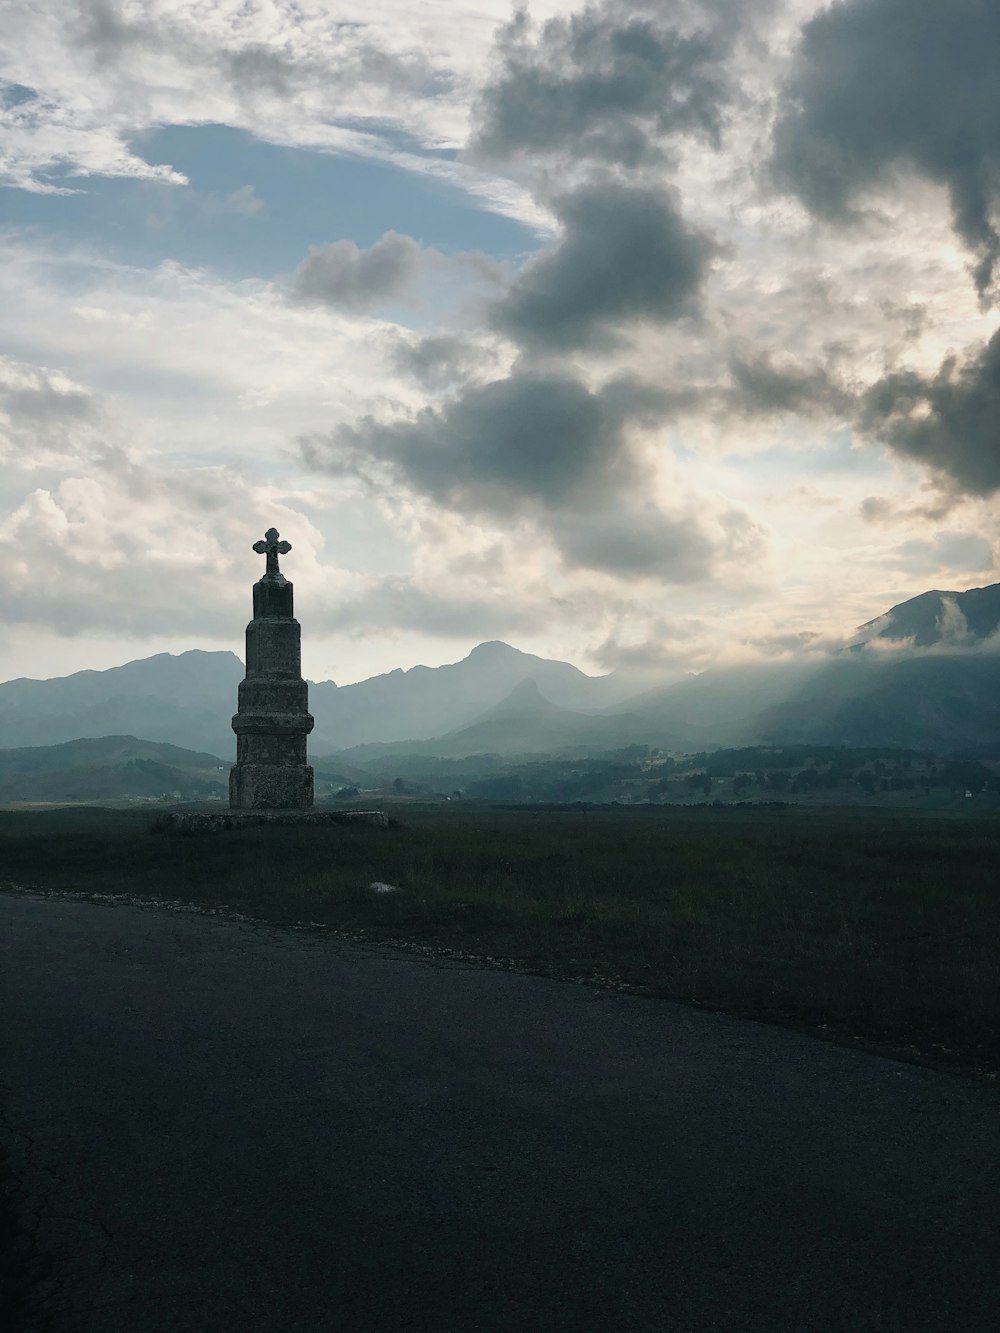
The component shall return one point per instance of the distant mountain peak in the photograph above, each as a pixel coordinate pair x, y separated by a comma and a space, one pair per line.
524, 698
494, 649
936, 617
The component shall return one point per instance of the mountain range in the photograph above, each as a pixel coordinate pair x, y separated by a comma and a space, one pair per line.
924, 674
188, 700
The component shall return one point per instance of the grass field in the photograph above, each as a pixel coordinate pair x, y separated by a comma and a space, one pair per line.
874, 927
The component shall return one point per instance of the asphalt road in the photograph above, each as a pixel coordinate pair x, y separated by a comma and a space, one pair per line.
223, 1126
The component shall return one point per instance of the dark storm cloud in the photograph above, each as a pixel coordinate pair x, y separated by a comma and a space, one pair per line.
603, 84
949, 422
637, 541
541, 446
348, 278
760, 387
881, 84
542, 438
605, 87
626, 254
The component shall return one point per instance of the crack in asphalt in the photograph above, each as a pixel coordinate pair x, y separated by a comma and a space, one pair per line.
40, 1296
30, 1266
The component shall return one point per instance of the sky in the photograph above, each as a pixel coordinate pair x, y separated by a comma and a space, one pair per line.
647, 336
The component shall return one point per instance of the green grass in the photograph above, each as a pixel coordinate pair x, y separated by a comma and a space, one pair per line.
875, 927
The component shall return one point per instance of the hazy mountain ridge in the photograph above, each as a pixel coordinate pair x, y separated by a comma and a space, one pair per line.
185, 700
926, 673
941, 695
524, 723
937, 701
424, 702
188, 700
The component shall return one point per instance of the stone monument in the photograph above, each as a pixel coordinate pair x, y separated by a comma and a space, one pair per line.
272, 719
271, 782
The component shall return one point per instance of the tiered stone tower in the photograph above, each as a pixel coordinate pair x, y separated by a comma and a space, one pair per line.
272, 721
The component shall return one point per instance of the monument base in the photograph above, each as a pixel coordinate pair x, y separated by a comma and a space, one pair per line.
270, 787
212, 821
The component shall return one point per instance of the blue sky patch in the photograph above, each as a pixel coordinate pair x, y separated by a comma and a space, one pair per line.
253, 209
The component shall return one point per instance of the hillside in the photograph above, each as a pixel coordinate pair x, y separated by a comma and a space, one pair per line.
934, 700
955, 619
524, 723
937, 701
109, 768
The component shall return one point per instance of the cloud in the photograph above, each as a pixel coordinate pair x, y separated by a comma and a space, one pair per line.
583, 478
544, 448
101, 73
626, 254
96, 539
244, 202
791, 643
401, 602
45, 417
602, 85
344, 276
441, 360
638, 541
668, 645
949, 421
878, 509
42, 135
540, 438
348, 278
762, 387
744, 541
141, 551
961, 552
886, 84
279, 69
952, 624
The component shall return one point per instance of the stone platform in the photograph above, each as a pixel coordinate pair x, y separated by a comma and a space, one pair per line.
196, 821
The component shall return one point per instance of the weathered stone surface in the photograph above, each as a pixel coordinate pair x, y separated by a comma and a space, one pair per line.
272, 719
261, 786
274, 647
271, 598
180, 821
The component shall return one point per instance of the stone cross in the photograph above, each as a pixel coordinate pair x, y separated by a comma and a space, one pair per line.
272, 548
